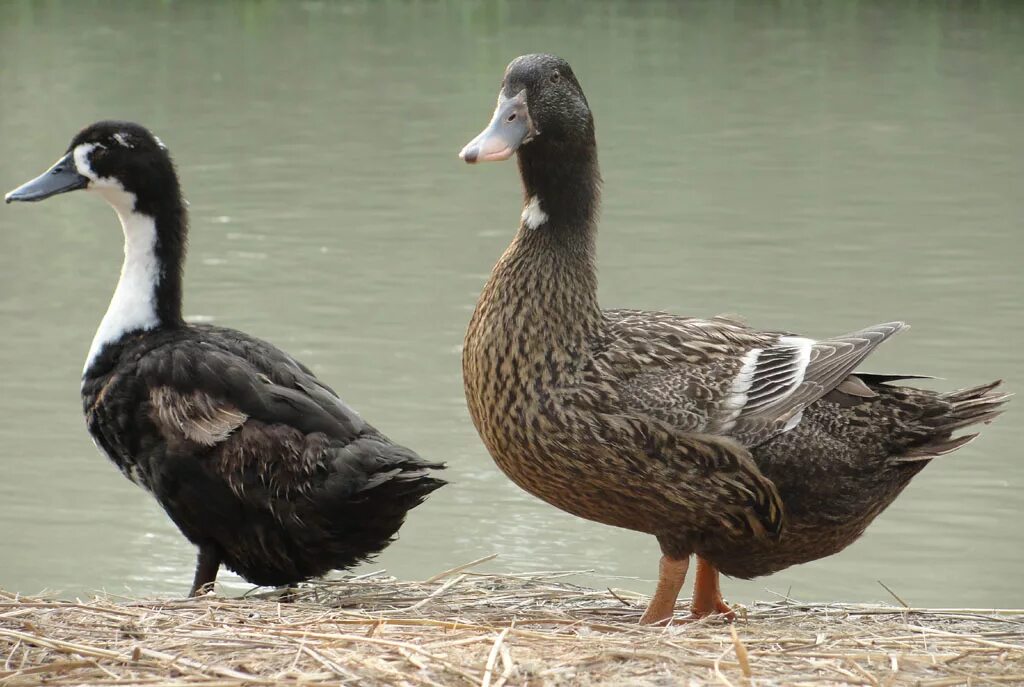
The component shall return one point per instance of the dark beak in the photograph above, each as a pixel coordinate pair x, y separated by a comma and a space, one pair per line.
509, 128
60, 178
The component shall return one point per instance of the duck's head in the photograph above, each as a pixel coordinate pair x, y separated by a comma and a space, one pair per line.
540, 106
121, 161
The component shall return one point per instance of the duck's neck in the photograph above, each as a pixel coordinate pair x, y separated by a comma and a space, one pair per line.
562, 186
547, 280
148, 293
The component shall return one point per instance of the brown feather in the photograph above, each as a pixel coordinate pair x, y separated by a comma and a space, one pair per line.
195, 416
853, 386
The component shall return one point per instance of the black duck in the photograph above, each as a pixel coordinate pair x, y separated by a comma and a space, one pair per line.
257, 462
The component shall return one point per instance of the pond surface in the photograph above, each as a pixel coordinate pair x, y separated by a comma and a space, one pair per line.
815, 167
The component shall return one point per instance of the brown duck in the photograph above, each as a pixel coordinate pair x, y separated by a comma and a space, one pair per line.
753, 450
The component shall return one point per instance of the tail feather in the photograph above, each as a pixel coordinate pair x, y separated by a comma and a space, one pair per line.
976, 405
959, 409
938, 448
874, 378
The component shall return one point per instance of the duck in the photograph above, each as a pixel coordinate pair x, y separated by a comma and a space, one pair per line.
257, 462
748, 450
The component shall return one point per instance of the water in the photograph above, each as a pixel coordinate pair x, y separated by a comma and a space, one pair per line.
816, 167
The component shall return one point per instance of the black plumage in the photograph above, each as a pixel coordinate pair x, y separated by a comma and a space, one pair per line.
259, 464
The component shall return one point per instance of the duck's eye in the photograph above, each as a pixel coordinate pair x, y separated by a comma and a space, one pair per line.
555, 78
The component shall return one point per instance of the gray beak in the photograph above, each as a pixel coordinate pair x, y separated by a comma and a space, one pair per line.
60, 178
509, 128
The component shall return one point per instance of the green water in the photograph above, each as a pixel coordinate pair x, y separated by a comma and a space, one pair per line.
812, 166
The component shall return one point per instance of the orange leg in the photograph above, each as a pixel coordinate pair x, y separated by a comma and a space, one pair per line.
707, 597
671, 574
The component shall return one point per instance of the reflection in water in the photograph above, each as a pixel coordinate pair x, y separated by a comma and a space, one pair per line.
813, 167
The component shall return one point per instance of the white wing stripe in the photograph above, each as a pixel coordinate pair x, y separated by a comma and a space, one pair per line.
805, 346
737, 397
783, 375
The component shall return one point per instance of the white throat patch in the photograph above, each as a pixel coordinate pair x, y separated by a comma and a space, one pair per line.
533, 214
133, 306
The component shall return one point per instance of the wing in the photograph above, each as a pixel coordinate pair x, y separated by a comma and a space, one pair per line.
280, 367
195, 415
266, 426
774, 384
720, 377
218, 378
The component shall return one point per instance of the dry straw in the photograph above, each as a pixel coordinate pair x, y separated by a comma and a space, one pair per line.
467, 628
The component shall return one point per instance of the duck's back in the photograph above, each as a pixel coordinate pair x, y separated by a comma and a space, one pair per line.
248, 452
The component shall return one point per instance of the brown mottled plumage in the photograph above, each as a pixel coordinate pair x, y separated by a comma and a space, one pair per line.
754, 450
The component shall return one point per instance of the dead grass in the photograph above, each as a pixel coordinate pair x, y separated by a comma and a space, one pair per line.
466, 628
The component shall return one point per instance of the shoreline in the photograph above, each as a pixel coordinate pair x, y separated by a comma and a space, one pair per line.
465, 628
